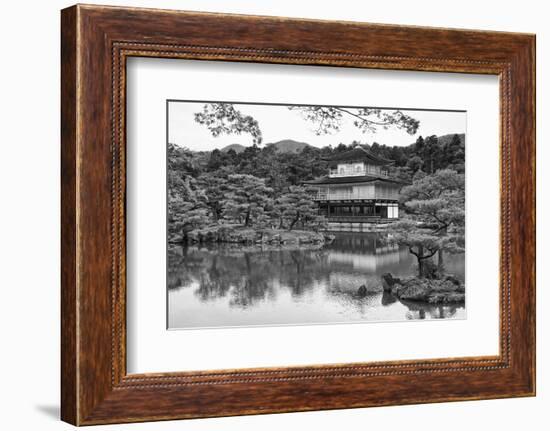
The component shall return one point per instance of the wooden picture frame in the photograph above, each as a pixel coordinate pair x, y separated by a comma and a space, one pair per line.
96, 41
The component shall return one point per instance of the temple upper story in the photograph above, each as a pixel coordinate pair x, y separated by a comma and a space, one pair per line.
357, 162
357, 170
356, 175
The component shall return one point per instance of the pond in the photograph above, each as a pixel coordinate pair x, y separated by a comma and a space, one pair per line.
227, 285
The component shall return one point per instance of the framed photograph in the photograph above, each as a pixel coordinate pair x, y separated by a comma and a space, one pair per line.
296, 233
264, 215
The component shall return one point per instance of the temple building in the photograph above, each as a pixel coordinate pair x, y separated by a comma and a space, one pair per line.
357, 189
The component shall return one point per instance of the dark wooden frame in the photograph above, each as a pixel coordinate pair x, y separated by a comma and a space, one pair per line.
95, 43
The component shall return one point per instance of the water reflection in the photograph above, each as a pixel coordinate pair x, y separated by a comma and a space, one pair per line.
229, 285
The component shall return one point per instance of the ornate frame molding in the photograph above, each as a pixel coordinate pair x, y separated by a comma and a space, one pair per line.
96, 41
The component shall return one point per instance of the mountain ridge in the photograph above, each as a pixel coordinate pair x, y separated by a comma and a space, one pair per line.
292, 146
282, 146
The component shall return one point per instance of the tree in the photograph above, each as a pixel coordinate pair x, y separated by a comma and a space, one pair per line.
397, 154
181, 162
270, 165
246, 198
419, 145
224, 118
415, 163
430, 153
214, 187
422, 243
454, 154
401, 173
217, 160
298, 206
186, 203
329, 119
435, 218
186, 210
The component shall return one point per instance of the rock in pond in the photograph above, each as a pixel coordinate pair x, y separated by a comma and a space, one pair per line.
368, 289
362, 291
446, 290
388, 281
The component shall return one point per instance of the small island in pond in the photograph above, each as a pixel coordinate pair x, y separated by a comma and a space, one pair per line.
353, 231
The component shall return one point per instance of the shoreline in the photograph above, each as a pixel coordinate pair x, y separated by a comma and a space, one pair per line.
238, 234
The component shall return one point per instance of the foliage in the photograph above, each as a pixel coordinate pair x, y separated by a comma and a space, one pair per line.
203, 189
186, 204
429, 154
436, 199
186, 209
297, 207
223, 189
435, 219
261, 186
415, 163
246, 198
214, 189
223, 118
328, 119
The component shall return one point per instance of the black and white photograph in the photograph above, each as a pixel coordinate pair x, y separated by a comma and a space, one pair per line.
275, 215
300, 214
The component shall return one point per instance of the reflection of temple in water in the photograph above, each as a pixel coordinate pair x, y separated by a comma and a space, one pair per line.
369, 253
218, 285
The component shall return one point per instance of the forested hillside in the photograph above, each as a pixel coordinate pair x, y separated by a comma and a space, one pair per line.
261, 185
281, 166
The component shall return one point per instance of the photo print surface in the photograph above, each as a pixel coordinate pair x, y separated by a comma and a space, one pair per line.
300, 214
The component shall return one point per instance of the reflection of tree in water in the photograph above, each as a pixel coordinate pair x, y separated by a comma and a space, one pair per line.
420, 311
252, 285
351, 300
247, 276
212, 283
388, 298
301, 272
181, 264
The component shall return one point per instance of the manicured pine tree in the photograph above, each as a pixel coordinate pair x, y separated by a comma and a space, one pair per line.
214, 187
187, 209
298, 207
435, 218
246, 198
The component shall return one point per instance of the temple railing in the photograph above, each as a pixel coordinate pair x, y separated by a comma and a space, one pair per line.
335, 173
324, 196
359, 219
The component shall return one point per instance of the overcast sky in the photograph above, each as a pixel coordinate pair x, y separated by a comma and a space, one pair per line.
278, 122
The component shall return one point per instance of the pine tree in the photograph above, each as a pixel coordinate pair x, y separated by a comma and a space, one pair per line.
298, 207
246, 198
415, 164
435, 218
187, 209
429, 153
454, 154
214, 187
419, 145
